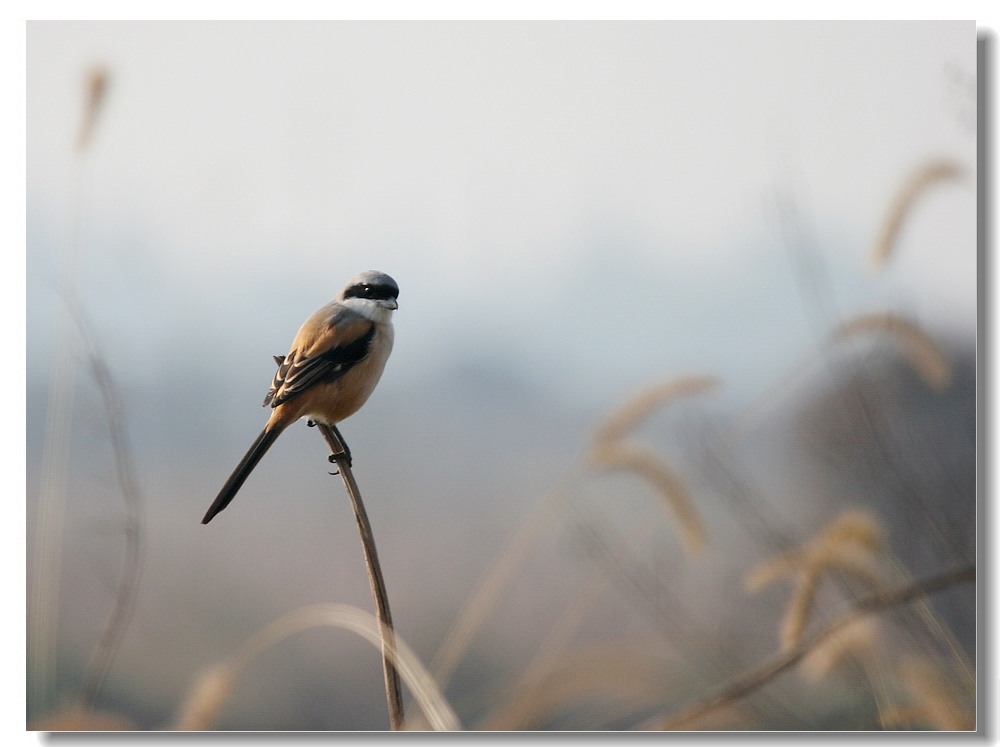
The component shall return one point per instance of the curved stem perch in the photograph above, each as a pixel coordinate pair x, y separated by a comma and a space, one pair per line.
393, 692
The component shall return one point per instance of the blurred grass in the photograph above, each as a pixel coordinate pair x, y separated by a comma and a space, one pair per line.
651, 623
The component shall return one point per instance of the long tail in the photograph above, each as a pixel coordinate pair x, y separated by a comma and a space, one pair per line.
243, 470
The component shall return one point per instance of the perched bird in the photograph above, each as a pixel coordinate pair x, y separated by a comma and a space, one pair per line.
335, 361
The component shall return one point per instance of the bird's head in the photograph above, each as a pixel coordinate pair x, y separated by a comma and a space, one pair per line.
371, 291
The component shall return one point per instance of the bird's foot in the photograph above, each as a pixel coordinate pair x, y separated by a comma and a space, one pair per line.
311, 423
333, 458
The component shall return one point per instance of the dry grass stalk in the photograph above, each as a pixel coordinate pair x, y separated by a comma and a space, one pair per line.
79, 718
618, 671
43, 612
128, 484
937, 705
206, 698
491, 587
203, 705
562, 632
393, 691
631, 457
628, 415
924, 355
928, 175
767, 672
901, 717
937, 627
848, 545
856, 639
732, 717
573, 616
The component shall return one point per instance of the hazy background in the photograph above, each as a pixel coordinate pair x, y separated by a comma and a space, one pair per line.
573, 211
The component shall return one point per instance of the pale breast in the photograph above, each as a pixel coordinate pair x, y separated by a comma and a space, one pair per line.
342, 398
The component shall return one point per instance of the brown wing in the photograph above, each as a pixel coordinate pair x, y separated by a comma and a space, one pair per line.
324, 350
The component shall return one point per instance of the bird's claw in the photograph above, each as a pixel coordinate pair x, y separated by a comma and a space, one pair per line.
334, 457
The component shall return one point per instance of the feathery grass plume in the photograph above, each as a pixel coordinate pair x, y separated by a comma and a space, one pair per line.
924, 355
848, 546
853, 562
631, 457
96, 88
824, 559
202, 706
857, 638
793, 624
611, 670
634, 410
937, 704
928, 175
770, 570
855, 527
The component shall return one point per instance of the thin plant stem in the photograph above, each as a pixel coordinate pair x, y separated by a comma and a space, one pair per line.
765, 673
128, 483
499, 577
393, 691
207, 698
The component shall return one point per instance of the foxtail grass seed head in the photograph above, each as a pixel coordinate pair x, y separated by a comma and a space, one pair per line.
642, 405
848, 545
630, 457
902, 206
770, 570
924, 355
854, 527
96, 87
800, 606
851, 561
858, 639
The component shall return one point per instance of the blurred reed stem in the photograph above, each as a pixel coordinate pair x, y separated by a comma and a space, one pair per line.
128, 484
767, 672
43, 601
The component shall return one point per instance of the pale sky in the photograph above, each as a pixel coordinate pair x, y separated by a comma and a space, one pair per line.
516, 178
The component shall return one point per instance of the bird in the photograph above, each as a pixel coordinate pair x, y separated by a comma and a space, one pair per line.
332, 367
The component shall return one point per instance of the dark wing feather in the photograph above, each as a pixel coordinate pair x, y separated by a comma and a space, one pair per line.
297, 372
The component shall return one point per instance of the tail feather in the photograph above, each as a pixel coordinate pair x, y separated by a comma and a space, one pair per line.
243, 470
